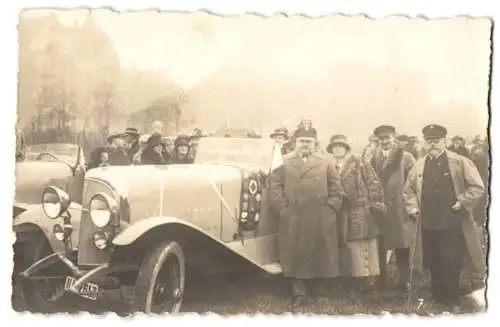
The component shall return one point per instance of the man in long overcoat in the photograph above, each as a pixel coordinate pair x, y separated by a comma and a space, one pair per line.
392, 165
440, 194
307, 193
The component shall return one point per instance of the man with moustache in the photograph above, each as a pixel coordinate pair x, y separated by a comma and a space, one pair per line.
307, 193
441, 194
392, 165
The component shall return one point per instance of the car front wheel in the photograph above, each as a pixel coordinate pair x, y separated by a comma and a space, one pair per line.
44, 295
160, 283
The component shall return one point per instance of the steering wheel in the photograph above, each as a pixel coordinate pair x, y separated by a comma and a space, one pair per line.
46, 154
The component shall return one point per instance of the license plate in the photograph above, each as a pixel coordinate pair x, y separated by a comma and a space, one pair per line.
88, 290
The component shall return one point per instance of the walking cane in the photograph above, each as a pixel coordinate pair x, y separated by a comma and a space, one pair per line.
412, 262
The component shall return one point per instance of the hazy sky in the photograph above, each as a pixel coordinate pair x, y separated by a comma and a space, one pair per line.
452, 54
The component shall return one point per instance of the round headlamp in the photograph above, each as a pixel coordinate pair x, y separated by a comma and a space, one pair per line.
54, 202
102, 209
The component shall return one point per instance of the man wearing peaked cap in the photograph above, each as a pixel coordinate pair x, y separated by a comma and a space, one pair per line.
304, 132
392, 164
434, 131
384, 130
441, 194
307, 193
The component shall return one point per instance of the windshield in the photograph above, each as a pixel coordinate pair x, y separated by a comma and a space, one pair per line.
64, 152
256, 153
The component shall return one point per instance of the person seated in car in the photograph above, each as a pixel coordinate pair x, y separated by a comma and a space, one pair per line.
132, 141
169, 142
153, 153
104, 157
118, 155
181, 151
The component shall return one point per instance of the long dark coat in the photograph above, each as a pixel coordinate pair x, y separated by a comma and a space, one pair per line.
307, 195
119, 157
150, 157
469, 189
134, 148
397, 229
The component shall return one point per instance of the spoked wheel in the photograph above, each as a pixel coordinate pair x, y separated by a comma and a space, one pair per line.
160, 283
43, 294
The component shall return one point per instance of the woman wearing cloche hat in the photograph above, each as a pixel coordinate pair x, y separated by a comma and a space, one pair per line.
358, 230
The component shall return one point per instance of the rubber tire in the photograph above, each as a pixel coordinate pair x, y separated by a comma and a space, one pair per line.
35, 301
148, 273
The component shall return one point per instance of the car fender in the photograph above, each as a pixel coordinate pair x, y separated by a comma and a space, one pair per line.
33, 219
261, 251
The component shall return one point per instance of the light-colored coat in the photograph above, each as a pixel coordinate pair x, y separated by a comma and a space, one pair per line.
469, 188
307, 195
397, 229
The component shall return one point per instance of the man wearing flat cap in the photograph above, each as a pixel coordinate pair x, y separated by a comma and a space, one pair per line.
440, 195
307, 193
280, 136
392, 165
458, 146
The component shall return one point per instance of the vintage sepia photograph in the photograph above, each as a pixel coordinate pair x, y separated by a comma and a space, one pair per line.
180, 162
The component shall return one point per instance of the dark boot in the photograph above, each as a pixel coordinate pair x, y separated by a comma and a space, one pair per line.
403, 263
299, 293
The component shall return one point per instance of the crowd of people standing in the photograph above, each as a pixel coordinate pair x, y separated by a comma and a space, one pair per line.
340, 213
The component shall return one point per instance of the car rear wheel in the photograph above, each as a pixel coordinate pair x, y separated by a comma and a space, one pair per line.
43, 295
160, 283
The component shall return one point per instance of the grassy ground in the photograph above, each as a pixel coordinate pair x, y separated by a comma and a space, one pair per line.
256, 293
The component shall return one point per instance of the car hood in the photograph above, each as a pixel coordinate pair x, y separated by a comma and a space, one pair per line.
157, 190
33, 176
147, 179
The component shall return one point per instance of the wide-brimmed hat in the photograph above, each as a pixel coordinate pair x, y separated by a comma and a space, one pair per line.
115, 135
279, 131
338, 139
132, 131
457, 138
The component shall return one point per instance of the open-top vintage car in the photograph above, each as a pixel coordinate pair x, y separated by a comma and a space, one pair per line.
140, 228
